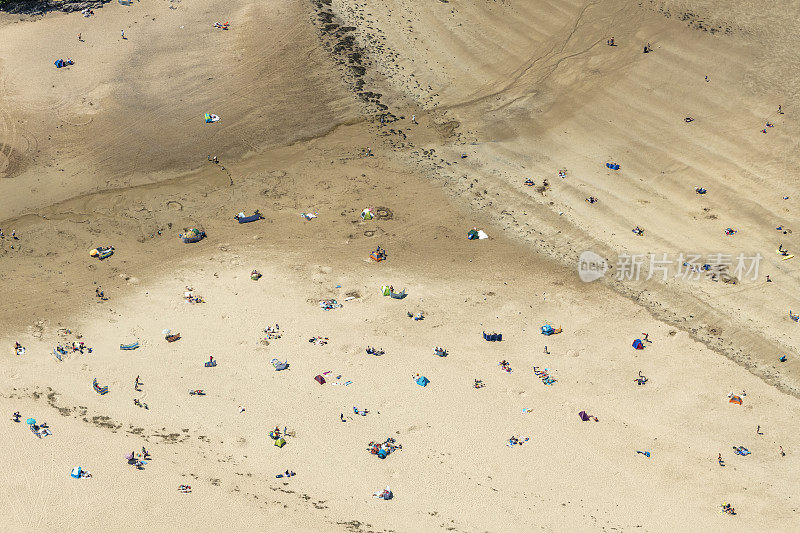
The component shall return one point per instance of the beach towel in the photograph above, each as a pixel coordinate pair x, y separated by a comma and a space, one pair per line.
319, 379
210, 364
131, 346
280, 365
612, 166
398, 295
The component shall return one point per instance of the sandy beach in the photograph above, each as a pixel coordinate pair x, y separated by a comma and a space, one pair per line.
439, 117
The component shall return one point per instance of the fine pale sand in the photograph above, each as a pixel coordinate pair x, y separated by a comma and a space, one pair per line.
316, 101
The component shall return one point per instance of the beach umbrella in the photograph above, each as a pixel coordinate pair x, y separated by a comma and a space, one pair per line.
30, 421
166, 332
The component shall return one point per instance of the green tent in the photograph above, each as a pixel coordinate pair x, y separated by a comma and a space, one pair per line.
385, 290
279, 442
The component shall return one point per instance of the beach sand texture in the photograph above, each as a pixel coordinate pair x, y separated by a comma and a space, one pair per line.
316, 100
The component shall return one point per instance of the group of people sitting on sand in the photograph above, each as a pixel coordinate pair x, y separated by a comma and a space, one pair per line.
273, 333
382, 449
479, 384
505, 365
374, 351
544, 375
190, 297
418, 316
517, 441
72, 348
19, 349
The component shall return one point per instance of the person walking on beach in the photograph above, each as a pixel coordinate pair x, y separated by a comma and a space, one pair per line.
780, 110
719, 460
122, 32
646, 338
79, 37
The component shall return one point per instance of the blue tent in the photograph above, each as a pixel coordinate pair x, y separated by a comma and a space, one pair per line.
638, 344
422, 381
547, 329
612, 166
76, 472
59, 63
252, 218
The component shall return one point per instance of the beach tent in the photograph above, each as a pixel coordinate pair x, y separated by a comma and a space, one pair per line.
398, 295
210, 117
59, 63
547, 330
279, 365
245, 219
192, 235
76, 472
612, 166
280, 442
422, 381
98, 389
366, 214
385, 290
638, 344
474, 234
583, 416
319, 379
